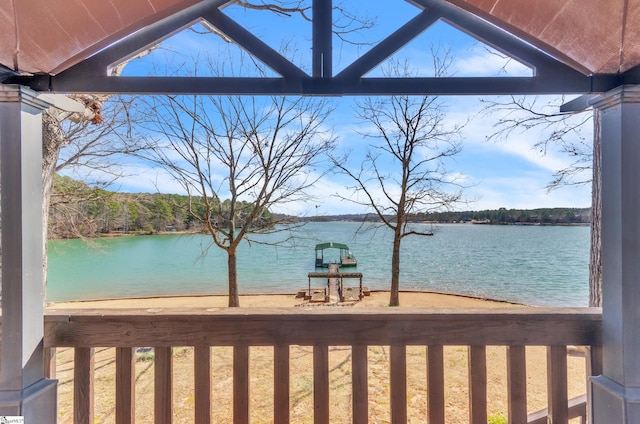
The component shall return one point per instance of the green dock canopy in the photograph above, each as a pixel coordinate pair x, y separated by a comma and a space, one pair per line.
322, 246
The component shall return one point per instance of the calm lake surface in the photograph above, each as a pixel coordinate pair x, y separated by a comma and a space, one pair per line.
537, 265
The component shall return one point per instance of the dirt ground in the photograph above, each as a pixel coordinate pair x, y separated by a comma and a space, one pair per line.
261, 406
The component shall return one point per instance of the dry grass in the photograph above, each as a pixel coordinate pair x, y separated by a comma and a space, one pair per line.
301, 388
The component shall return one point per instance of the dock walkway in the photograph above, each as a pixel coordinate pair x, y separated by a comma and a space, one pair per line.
334, 291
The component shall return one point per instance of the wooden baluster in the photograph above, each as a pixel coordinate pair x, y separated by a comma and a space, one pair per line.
594, 367
435, 384
517, 384
163, 373
50, 362
83, 379
398, 383
557, 384
321, 385
477, 384
241, 384
281, 382
125, 385
360, 384
202, 382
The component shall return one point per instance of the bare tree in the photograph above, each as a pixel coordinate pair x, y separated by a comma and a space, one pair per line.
570, 133
237, 158
404, 172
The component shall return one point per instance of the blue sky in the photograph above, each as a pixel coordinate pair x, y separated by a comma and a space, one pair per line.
507, 173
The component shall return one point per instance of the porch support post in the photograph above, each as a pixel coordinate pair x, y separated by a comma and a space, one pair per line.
23, 389
616, 393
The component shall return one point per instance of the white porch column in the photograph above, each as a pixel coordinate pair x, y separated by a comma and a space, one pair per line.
23, 389
616, 393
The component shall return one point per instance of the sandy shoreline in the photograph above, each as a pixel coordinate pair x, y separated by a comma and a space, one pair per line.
376, 299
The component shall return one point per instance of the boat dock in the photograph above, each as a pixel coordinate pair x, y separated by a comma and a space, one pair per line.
334, 291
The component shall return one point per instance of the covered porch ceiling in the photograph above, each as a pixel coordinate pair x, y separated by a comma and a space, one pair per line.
574, 46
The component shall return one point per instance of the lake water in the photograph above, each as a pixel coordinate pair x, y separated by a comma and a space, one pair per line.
537, 265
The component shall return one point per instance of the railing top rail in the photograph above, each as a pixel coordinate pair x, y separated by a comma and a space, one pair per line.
322, 326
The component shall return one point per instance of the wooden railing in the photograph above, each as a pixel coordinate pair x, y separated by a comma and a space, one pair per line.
321, 328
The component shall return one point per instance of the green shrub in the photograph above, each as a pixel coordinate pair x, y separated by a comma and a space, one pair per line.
497, 418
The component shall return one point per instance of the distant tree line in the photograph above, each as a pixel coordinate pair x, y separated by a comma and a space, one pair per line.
78, 210
502, 216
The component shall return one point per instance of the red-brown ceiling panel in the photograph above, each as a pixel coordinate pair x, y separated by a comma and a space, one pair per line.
631, 53
584, 33
56, 34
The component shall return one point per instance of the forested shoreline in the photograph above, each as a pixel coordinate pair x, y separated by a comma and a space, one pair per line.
78, 210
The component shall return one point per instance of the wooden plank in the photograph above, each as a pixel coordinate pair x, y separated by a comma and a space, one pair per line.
370, 326
125, 385
593, 368
398, 383
241, 384
477, 385
577, 409
202, 383
517, 384
163, 393
594, 360
281, 383
50, 367
435, 384
321, 385
557, 384
360, 384
83, 370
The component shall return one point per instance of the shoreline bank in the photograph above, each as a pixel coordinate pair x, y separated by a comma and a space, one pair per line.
378, 298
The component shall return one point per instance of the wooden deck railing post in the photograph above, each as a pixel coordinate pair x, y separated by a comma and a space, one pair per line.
83, 380
557, 384
125, 385
435, 384
517, 384
281, 384
202, 383
398, 383
163, 392
241, 384
50, 362
321, 384
360, 384
594, 368
477, 384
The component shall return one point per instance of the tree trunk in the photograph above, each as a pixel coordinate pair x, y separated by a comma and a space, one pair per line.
394, 299
595, 260
234, 300
52, 138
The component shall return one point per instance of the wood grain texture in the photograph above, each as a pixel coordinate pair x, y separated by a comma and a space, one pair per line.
241, 385
163, 391
557, 384
125, 383
50, 367
321, 385
83, 380
435, 384
360, 384
281, 382
202, 384
477, 385
517, 384
366, 326
398, 383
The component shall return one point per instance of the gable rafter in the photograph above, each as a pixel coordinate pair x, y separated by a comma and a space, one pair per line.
92, 76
